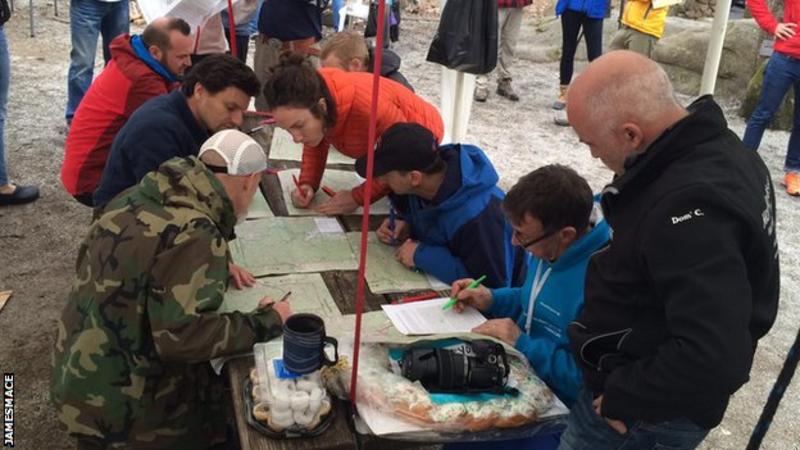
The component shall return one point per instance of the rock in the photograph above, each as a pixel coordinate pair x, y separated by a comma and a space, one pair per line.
783, 118
685, 44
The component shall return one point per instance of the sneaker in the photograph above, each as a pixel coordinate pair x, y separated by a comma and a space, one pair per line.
504, 89
560, 118
561, 101
792, 182
20, 195
481, 93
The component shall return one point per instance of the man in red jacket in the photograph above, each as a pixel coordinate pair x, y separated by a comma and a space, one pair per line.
782, 72
142, 67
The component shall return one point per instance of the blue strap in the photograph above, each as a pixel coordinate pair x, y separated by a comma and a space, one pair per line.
144, 55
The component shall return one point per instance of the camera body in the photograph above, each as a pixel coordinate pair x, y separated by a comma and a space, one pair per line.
478, 366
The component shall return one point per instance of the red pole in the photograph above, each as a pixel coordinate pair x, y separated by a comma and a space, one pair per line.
362, 263
232, 29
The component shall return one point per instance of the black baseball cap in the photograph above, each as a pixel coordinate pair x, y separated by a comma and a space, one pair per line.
404, 147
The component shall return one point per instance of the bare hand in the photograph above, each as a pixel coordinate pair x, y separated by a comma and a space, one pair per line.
617, 425
283, 309
401, 231
240, 277
302, 197
504, 329
405, 253
479, 298
785, 30
341, 203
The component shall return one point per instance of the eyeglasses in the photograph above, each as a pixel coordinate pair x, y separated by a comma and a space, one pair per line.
544, 236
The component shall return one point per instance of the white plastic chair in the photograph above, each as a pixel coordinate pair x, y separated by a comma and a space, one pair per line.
352, 8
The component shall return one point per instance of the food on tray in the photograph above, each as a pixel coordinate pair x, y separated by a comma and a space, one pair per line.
289, 403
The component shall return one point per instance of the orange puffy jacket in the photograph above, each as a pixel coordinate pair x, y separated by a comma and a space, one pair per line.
352, 96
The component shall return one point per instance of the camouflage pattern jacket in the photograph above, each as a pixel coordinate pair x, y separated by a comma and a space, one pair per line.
130, 365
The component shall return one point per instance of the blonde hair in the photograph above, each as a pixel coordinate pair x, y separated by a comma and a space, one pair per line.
346, 45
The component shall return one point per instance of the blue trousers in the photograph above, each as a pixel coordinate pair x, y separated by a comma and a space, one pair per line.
588, 431
782, 72
5, 79
89, 19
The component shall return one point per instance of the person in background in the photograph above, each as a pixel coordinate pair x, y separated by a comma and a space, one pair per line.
782, 73
350, 52
449, 221
510, 20
642, 27
578, 16
87, 20
286, 27
245, 14
328, 106
141, 67
10, 193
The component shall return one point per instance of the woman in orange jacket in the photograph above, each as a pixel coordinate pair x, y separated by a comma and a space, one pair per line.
329, 106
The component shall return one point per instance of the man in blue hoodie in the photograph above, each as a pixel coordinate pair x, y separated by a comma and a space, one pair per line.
449, 222
556, 220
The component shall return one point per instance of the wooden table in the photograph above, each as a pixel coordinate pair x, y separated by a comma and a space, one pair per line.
342, 286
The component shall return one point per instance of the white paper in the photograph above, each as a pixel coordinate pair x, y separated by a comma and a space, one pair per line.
328, 225
194, 12
428, 317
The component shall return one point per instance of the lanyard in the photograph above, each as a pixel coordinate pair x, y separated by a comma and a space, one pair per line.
536, 288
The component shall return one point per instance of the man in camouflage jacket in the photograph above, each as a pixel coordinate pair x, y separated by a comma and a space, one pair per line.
130, 368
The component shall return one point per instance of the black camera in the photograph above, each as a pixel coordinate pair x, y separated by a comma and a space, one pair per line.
478, 366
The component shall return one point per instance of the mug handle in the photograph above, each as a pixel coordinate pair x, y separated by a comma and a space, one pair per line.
332, 341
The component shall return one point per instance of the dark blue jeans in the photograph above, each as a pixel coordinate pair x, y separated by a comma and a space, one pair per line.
782, 72
588, 431
89, 19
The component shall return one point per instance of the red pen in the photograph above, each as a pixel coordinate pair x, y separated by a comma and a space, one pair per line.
329, 191
417, 298
296, 183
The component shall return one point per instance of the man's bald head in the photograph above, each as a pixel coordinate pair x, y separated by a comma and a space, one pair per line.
168, 40
620, 104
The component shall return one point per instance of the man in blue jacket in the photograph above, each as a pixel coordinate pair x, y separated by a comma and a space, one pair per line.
449, 223
555, 219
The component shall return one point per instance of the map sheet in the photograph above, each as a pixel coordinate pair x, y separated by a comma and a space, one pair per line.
284, 148
308, 295
387, 275
335, 179
282, 245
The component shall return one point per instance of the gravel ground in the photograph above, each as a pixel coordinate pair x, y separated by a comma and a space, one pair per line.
38, 242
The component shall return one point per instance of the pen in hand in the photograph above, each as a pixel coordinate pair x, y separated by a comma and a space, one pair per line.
453, 300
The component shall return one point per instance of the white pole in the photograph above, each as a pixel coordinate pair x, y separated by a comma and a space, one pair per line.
715, 42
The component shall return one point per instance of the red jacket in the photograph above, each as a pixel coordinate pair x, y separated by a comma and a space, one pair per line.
768, 22
352, 95
118, 91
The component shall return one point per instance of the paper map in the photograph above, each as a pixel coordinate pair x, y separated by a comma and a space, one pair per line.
335, 179
308, 295
282, 245
259, 209
387, 275
284, 149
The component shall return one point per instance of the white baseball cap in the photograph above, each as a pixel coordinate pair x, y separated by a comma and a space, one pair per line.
241, 153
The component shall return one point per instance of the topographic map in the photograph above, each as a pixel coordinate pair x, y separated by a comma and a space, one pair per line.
259, 209
292, 245
285, 149
385, 274
308, 295
335, 179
